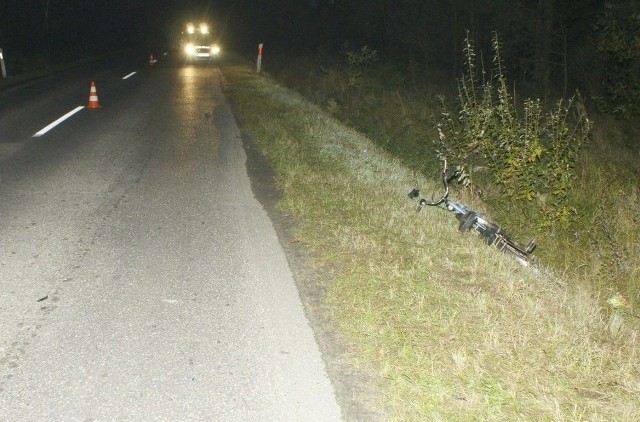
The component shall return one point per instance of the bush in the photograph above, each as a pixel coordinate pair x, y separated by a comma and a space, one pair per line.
531, 153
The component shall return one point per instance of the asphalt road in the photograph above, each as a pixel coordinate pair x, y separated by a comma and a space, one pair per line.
140, 279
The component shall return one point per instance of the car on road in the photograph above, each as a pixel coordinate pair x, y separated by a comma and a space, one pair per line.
198, 43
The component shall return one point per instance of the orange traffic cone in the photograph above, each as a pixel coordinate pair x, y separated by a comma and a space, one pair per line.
93, 97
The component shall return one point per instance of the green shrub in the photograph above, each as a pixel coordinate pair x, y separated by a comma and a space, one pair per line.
530, 153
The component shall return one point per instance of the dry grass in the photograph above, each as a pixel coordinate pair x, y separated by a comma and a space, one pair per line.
456, 330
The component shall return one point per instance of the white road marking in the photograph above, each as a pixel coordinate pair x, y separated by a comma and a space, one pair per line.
172, 301
129, 75
57, 122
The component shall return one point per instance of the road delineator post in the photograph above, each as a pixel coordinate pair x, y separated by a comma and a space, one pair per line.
93, 97
2, 66
259, 60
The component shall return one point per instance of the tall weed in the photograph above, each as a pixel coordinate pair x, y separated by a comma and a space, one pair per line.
530, 153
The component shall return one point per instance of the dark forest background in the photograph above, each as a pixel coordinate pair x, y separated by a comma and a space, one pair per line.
550, 47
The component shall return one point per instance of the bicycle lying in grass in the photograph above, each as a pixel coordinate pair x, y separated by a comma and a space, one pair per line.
469, 219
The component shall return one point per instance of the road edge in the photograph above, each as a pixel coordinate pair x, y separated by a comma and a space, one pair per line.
355, 389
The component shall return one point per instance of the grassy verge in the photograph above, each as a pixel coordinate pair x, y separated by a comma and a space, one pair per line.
455, 330
399, 112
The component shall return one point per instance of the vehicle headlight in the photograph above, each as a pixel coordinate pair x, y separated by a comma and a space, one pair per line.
191, 29
190, 49
215, 50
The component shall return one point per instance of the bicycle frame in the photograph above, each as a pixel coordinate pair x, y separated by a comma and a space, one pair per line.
469, 219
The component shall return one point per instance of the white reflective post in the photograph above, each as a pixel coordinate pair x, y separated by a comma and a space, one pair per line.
4, 69
259, 62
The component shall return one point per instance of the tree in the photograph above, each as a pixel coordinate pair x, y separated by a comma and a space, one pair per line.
619, 41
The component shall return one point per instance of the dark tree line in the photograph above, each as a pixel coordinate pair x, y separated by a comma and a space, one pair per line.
49, 29
551, 46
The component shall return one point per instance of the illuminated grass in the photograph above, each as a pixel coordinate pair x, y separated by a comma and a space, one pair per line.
455, 330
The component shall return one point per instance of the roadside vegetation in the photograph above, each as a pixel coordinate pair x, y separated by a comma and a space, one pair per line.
569, 178
454, 330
